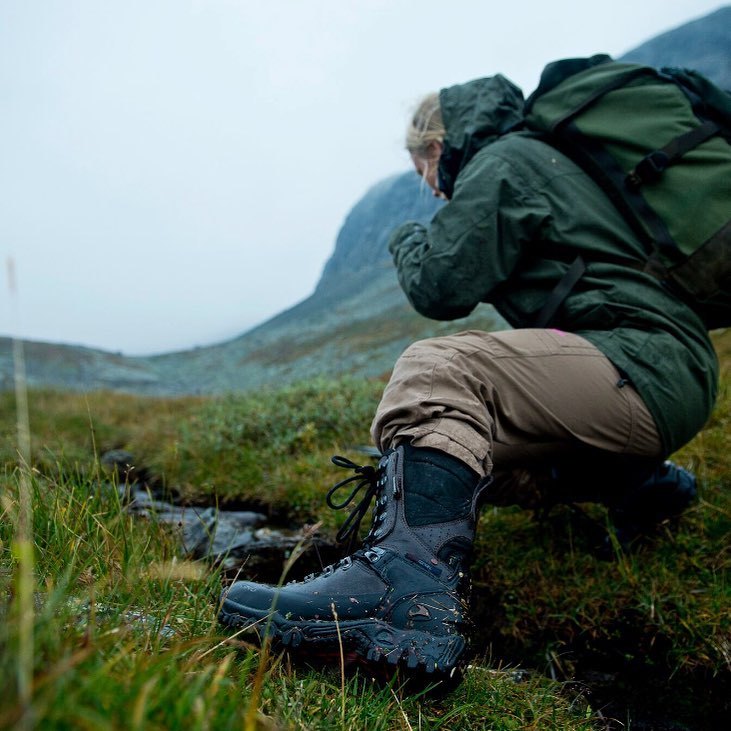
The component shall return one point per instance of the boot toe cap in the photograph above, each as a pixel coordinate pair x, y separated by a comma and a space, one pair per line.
248, 595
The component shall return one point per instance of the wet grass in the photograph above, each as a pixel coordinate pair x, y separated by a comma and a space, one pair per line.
124, 636
123, 625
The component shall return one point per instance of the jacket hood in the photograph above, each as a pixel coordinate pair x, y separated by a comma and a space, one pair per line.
474, 115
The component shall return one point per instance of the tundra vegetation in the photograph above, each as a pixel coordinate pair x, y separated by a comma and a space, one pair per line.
105, 623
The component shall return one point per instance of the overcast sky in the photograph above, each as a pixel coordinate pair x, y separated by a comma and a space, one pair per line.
174, 172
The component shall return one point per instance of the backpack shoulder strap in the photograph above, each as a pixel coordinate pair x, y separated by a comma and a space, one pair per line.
560, 292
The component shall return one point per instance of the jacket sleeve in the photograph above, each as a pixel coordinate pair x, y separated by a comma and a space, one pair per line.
473, 244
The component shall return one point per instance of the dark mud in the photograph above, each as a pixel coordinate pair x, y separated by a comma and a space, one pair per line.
625, 671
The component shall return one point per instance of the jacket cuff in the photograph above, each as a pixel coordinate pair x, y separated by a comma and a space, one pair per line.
405, 236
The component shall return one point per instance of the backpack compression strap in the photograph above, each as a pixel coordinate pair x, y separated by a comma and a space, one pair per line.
652, 166
648, 170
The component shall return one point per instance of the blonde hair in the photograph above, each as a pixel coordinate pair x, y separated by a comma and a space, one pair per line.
426, 126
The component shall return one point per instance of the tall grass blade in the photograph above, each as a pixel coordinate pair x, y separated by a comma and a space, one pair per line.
22, 546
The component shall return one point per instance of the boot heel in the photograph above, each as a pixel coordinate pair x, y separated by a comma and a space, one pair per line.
382, 643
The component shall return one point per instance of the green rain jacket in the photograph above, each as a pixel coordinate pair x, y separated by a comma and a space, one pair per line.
516, 201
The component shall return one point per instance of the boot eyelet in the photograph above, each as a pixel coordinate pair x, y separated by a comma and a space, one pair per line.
374, 553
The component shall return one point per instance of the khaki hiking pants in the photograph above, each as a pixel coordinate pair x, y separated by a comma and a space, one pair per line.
512, 399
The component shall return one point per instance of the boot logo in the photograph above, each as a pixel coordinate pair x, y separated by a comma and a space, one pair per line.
419, 610
431, 568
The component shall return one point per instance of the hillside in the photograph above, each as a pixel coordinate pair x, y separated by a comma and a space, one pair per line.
357, 320
702, 45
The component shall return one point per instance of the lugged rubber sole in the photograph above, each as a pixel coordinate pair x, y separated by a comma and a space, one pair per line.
372, 639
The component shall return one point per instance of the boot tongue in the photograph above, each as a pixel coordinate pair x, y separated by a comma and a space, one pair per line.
437, 487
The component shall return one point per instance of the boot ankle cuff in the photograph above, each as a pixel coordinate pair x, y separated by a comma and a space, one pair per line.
430, 439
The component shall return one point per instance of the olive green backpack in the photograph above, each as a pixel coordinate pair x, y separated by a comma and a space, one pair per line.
659, 144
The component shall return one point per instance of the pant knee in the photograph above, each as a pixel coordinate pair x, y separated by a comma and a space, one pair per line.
433, 400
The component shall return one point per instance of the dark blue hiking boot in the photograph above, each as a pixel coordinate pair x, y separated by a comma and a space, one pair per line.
401, 597
639, 493
666, 494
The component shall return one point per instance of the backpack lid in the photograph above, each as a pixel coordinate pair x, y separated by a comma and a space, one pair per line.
557, 71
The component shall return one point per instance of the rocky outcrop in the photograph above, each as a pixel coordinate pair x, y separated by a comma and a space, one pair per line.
362, 242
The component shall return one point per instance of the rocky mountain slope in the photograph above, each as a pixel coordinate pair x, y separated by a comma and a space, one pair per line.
703, 45
357, 320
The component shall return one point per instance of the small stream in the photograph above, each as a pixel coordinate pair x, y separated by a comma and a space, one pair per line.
241, 541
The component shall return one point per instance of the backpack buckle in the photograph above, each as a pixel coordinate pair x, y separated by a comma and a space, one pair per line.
649, 169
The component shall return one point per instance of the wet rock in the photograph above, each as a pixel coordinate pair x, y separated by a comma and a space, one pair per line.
134, 619
205, 532
233, 538
213, 532
122, 464
238, 539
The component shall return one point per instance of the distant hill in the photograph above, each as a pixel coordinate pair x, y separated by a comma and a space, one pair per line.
357, 320
703, 45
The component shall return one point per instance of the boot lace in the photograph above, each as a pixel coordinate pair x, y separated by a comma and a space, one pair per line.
366, 479
369, 480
